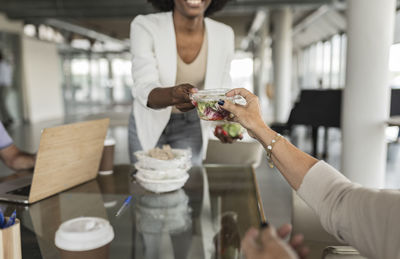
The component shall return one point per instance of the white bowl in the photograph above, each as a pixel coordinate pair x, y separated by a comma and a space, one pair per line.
160, 186
163, 167
181, 160
161, 174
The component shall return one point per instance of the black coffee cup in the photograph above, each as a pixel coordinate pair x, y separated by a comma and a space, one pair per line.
107, 159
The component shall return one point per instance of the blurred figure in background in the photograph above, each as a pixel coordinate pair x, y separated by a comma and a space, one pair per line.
5, 84
12, 157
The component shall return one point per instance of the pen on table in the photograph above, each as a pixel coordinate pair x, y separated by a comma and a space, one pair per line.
124, 205
1, 219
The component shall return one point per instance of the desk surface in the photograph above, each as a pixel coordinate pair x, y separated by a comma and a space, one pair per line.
208, 216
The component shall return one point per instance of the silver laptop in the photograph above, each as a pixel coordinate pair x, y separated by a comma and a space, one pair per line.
68, 155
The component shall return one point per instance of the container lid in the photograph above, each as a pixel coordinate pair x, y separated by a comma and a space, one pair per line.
214, 95
210, 94
109, 142
83, 234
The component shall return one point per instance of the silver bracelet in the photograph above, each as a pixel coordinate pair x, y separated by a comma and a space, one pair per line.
269, 150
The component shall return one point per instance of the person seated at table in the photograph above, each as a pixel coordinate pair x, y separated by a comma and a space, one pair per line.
12, 157
365, 218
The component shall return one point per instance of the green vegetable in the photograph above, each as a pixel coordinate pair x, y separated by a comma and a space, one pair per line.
234, 130
201, 106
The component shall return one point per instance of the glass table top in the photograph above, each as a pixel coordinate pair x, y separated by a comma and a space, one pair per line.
205, 219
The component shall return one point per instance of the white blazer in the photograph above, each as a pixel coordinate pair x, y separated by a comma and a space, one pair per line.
154, 64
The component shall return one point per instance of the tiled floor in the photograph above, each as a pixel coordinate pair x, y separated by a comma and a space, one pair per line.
275, 192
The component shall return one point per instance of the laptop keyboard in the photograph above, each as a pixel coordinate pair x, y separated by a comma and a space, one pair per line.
23, 191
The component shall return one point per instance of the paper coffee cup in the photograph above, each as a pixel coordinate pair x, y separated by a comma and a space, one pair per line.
84, 237
107, 159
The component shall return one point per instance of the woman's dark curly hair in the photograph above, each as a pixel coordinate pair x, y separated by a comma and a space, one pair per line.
168, 5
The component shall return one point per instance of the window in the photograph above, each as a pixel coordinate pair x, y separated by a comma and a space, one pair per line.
242, 71
319, 65
343, 51
335, 70
80, 74
122, 79
322, 64
326, 74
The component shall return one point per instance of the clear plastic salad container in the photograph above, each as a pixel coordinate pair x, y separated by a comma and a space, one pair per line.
206, 102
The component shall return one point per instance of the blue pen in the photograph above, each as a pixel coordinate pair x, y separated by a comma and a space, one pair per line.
1, 218
124, 205
11, 220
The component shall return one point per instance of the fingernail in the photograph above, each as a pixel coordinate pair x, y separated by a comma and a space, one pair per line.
221, 102
264, 225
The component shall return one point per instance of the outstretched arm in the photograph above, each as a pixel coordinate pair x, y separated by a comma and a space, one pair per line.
17, 159
179, 96
365, 218
290, 161
147, 88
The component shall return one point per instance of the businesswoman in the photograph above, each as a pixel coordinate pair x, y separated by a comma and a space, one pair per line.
175, 53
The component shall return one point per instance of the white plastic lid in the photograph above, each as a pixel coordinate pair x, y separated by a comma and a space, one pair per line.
109, 142
83, 234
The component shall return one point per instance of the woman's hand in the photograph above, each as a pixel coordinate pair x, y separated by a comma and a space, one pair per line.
266, 244
178, 96
181, 97
223, 137
249, 115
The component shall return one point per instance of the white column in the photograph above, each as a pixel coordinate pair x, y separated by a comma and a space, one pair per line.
366, 94
282, 59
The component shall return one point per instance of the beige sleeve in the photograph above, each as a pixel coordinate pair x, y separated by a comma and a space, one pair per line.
367, 219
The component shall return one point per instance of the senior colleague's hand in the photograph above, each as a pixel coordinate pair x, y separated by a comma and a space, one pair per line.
179, 96
265, 244
248, 115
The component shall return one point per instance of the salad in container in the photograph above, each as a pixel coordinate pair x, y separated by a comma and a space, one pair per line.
206, 102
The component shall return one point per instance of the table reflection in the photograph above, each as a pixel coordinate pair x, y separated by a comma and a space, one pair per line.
163, 224
227, 240
205, 219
